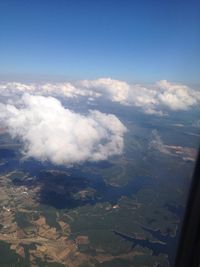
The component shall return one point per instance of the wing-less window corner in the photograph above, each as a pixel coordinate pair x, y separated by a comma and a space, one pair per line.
188, 254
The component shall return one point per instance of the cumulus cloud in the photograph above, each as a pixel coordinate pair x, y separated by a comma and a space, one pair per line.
51, 132
177, 96
151, 99
65, 89
114, 90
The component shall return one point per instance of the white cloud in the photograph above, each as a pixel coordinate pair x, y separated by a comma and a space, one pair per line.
151, 99
51, 132
177, 96
114, 90
12, 88
65, 89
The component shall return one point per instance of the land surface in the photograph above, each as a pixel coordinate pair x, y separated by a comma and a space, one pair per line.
122, 212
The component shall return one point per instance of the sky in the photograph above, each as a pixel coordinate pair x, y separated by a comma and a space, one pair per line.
134, 41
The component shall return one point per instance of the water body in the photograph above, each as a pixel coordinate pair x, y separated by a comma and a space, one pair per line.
77, 181
80, 181
168, 247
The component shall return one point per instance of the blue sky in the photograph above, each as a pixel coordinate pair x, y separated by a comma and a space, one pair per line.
137, 41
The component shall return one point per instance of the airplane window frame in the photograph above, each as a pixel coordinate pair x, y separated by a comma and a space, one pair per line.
188, 251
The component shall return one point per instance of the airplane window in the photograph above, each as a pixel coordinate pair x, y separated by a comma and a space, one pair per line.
99, 130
